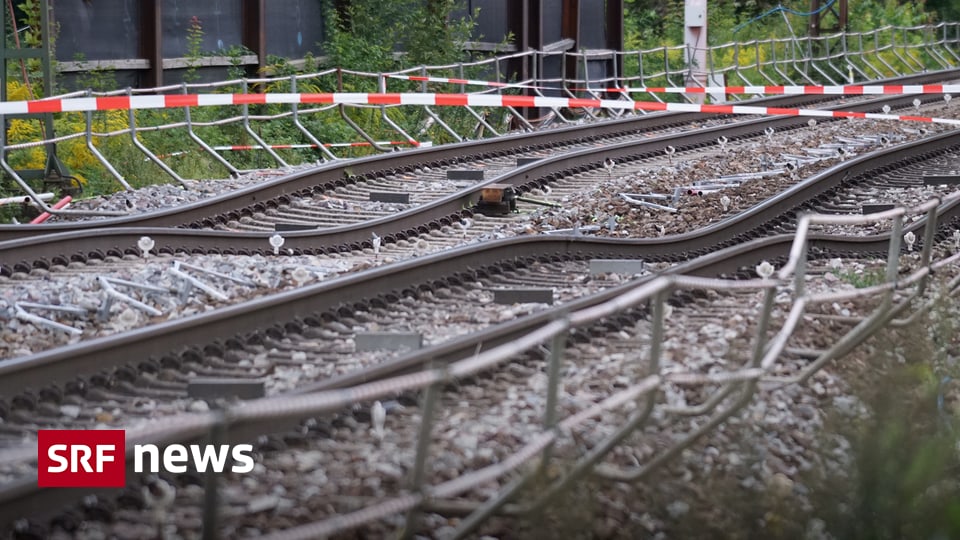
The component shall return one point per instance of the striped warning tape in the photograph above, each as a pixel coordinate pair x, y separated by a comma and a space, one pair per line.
476, 100
849, 90
846, 90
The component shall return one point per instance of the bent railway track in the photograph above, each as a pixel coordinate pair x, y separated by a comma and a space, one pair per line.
759, 221
77, 242
78, 372
725, 247
80, 245
219, 211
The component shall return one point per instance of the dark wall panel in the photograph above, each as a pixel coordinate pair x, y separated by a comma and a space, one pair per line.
294, 27
592, 23
220, 20
492, 21
552, 18
97, 30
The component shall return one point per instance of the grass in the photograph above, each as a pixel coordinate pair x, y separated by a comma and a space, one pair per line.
862, 279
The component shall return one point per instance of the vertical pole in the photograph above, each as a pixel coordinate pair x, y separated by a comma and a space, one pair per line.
614, 40
151, 44
211, 495
656, 331
518, 23
254, 32
893, 259
799, 276
535, 22
46, 62
929, 234
517, 14
46, 21
762, 326
534, 40
553, 388
695, 42
814, 24
570, 29
420, 460
3, 86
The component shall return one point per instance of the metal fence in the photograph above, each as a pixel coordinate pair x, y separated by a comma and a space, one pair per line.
904, 295
149, 145
897, 295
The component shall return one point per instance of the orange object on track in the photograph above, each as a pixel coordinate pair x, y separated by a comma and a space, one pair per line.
46, 215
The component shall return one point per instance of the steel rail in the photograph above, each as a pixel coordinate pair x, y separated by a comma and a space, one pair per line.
23, 498
22, 254
19, 374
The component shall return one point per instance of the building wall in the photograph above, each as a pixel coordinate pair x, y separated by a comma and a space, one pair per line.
118, 32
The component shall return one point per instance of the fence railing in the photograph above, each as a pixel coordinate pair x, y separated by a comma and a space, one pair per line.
903, 291
736, 387
121, 150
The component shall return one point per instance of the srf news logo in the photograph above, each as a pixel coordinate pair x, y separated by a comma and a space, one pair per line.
97, 458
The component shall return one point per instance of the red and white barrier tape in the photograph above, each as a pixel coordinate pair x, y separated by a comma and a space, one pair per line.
847, 90
476, 100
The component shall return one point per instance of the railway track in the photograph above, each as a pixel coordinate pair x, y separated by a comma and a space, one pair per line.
598, 363
729, 232
566, 185
254, 274
76, 245
220, 211
316, 351
118, 348
313, 309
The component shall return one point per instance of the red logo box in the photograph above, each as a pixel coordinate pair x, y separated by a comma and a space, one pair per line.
81, 458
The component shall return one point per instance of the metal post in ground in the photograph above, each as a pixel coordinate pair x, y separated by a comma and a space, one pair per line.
295, 112
929, 232
553, 388
420, 460
211, 495
146, 151
893, 258
203, 144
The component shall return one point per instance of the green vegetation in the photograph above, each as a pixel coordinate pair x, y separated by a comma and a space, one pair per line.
194, 50
863, 279
907, 452
426, 32
369, 33
655, 23
651, 25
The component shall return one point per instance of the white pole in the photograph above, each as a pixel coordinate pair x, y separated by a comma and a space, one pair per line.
695, 41
23, 199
